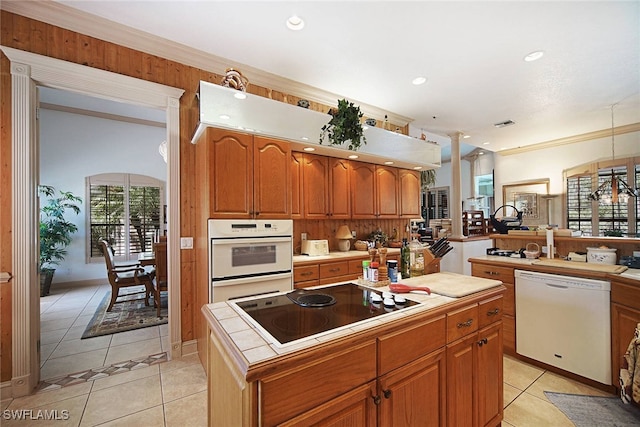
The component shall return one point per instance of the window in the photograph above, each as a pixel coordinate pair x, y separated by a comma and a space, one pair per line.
437, 205
126, 210
598, 218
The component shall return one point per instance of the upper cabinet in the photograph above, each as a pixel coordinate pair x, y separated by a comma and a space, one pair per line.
409, 193
374, 191
325, 187
297, 200
250, 176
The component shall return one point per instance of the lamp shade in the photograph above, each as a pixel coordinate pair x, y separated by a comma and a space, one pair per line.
344, 232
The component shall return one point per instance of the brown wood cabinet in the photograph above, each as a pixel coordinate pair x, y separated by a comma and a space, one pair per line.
507, 276
625, 316
374, 191
250, 176
409, 193
474, 366
326, 187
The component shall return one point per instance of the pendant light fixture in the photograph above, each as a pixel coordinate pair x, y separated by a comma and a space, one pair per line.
614, 189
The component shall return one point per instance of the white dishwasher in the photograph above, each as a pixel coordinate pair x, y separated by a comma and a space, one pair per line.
565, 322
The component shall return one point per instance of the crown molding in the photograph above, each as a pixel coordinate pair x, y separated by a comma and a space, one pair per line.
604, 133
76, 20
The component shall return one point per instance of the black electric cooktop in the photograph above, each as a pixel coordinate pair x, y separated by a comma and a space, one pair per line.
306, 312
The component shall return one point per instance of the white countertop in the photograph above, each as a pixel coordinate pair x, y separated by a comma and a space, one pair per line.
257, 347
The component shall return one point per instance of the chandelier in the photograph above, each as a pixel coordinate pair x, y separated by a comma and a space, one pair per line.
613, 189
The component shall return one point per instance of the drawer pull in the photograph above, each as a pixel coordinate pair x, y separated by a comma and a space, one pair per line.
466, 324
334, 270
308, 273
493, 312
492, 273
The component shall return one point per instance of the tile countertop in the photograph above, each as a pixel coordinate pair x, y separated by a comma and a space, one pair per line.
256, 347
338, 256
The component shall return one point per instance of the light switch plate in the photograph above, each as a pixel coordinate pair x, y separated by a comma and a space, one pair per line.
303, 236
186, 243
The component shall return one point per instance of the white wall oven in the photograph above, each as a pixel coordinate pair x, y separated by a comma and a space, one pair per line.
249, 257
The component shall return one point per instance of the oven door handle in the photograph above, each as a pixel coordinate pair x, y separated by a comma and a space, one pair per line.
251, 279
249, 240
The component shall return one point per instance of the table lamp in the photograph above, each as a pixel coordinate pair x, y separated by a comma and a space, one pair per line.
344, 238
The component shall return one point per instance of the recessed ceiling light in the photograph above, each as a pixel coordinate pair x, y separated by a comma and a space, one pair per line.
309, 149
534, 56
240, 95
417, 168
304, 138
353, 156
224, 117
486, 143
295, 23
481, 153
466, 136
419, 81
388, 163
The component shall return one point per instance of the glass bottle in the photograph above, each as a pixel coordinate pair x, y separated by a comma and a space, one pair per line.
404, 259
416, 258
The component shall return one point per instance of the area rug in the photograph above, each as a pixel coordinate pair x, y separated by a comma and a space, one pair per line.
595, 411
125, 316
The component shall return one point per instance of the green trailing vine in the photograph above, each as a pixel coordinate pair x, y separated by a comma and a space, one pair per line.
344, 126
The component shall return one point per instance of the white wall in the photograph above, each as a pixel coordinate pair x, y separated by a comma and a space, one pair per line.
74, 146
551, 162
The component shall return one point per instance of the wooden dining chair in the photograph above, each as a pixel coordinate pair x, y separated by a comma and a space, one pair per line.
126, 275
161, 279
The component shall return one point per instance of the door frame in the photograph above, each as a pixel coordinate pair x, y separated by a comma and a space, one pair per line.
29, 70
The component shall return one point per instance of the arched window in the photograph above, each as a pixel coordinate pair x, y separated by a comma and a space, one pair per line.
127, 210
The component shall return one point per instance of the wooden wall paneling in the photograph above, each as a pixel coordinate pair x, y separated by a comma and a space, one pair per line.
63, 44
38, 37
19, 32
5, 217
91, 51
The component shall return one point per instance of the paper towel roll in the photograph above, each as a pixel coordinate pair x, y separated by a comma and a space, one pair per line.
549, 243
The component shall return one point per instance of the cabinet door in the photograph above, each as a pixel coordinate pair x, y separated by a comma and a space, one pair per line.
354, 408
414, 395
315, 184
339, 197
409, 193
623, 324
489, 373
363, 190
461, 379
231, 174
387, 192
272, 174
296, 185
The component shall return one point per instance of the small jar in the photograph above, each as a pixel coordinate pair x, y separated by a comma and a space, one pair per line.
365, 269
392, 265
373, 271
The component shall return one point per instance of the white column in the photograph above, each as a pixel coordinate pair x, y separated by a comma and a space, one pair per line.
456, 188
25, 329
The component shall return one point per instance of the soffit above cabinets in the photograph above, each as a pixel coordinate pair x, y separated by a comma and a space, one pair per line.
301, 127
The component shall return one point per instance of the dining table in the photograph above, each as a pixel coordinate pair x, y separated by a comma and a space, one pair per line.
147, 258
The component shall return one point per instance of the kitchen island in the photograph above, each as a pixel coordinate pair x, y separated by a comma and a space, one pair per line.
438, 362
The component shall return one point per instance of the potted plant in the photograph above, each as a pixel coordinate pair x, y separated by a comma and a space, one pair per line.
55, 231
344, 126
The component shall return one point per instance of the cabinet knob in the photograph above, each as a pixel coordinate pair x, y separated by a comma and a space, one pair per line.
376, 399
482, 342
465, 324
387, 393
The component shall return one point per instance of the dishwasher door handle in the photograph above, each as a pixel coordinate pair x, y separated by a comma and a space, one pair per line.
551, 285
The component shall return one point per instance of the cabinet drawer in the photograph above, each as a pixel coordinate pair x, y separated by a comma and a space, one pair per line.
334, 269
355, 267
490, 311
504, 274
285, 395
399, 348
304, 273
462, 322
624, 294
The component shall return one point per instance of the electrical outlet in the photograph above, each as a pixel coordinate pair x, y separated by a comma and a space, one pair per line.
186, 243
353, 233
303, 236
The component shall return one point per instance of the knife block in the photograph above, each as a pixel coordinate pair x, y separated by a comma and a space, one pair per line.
431, 263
